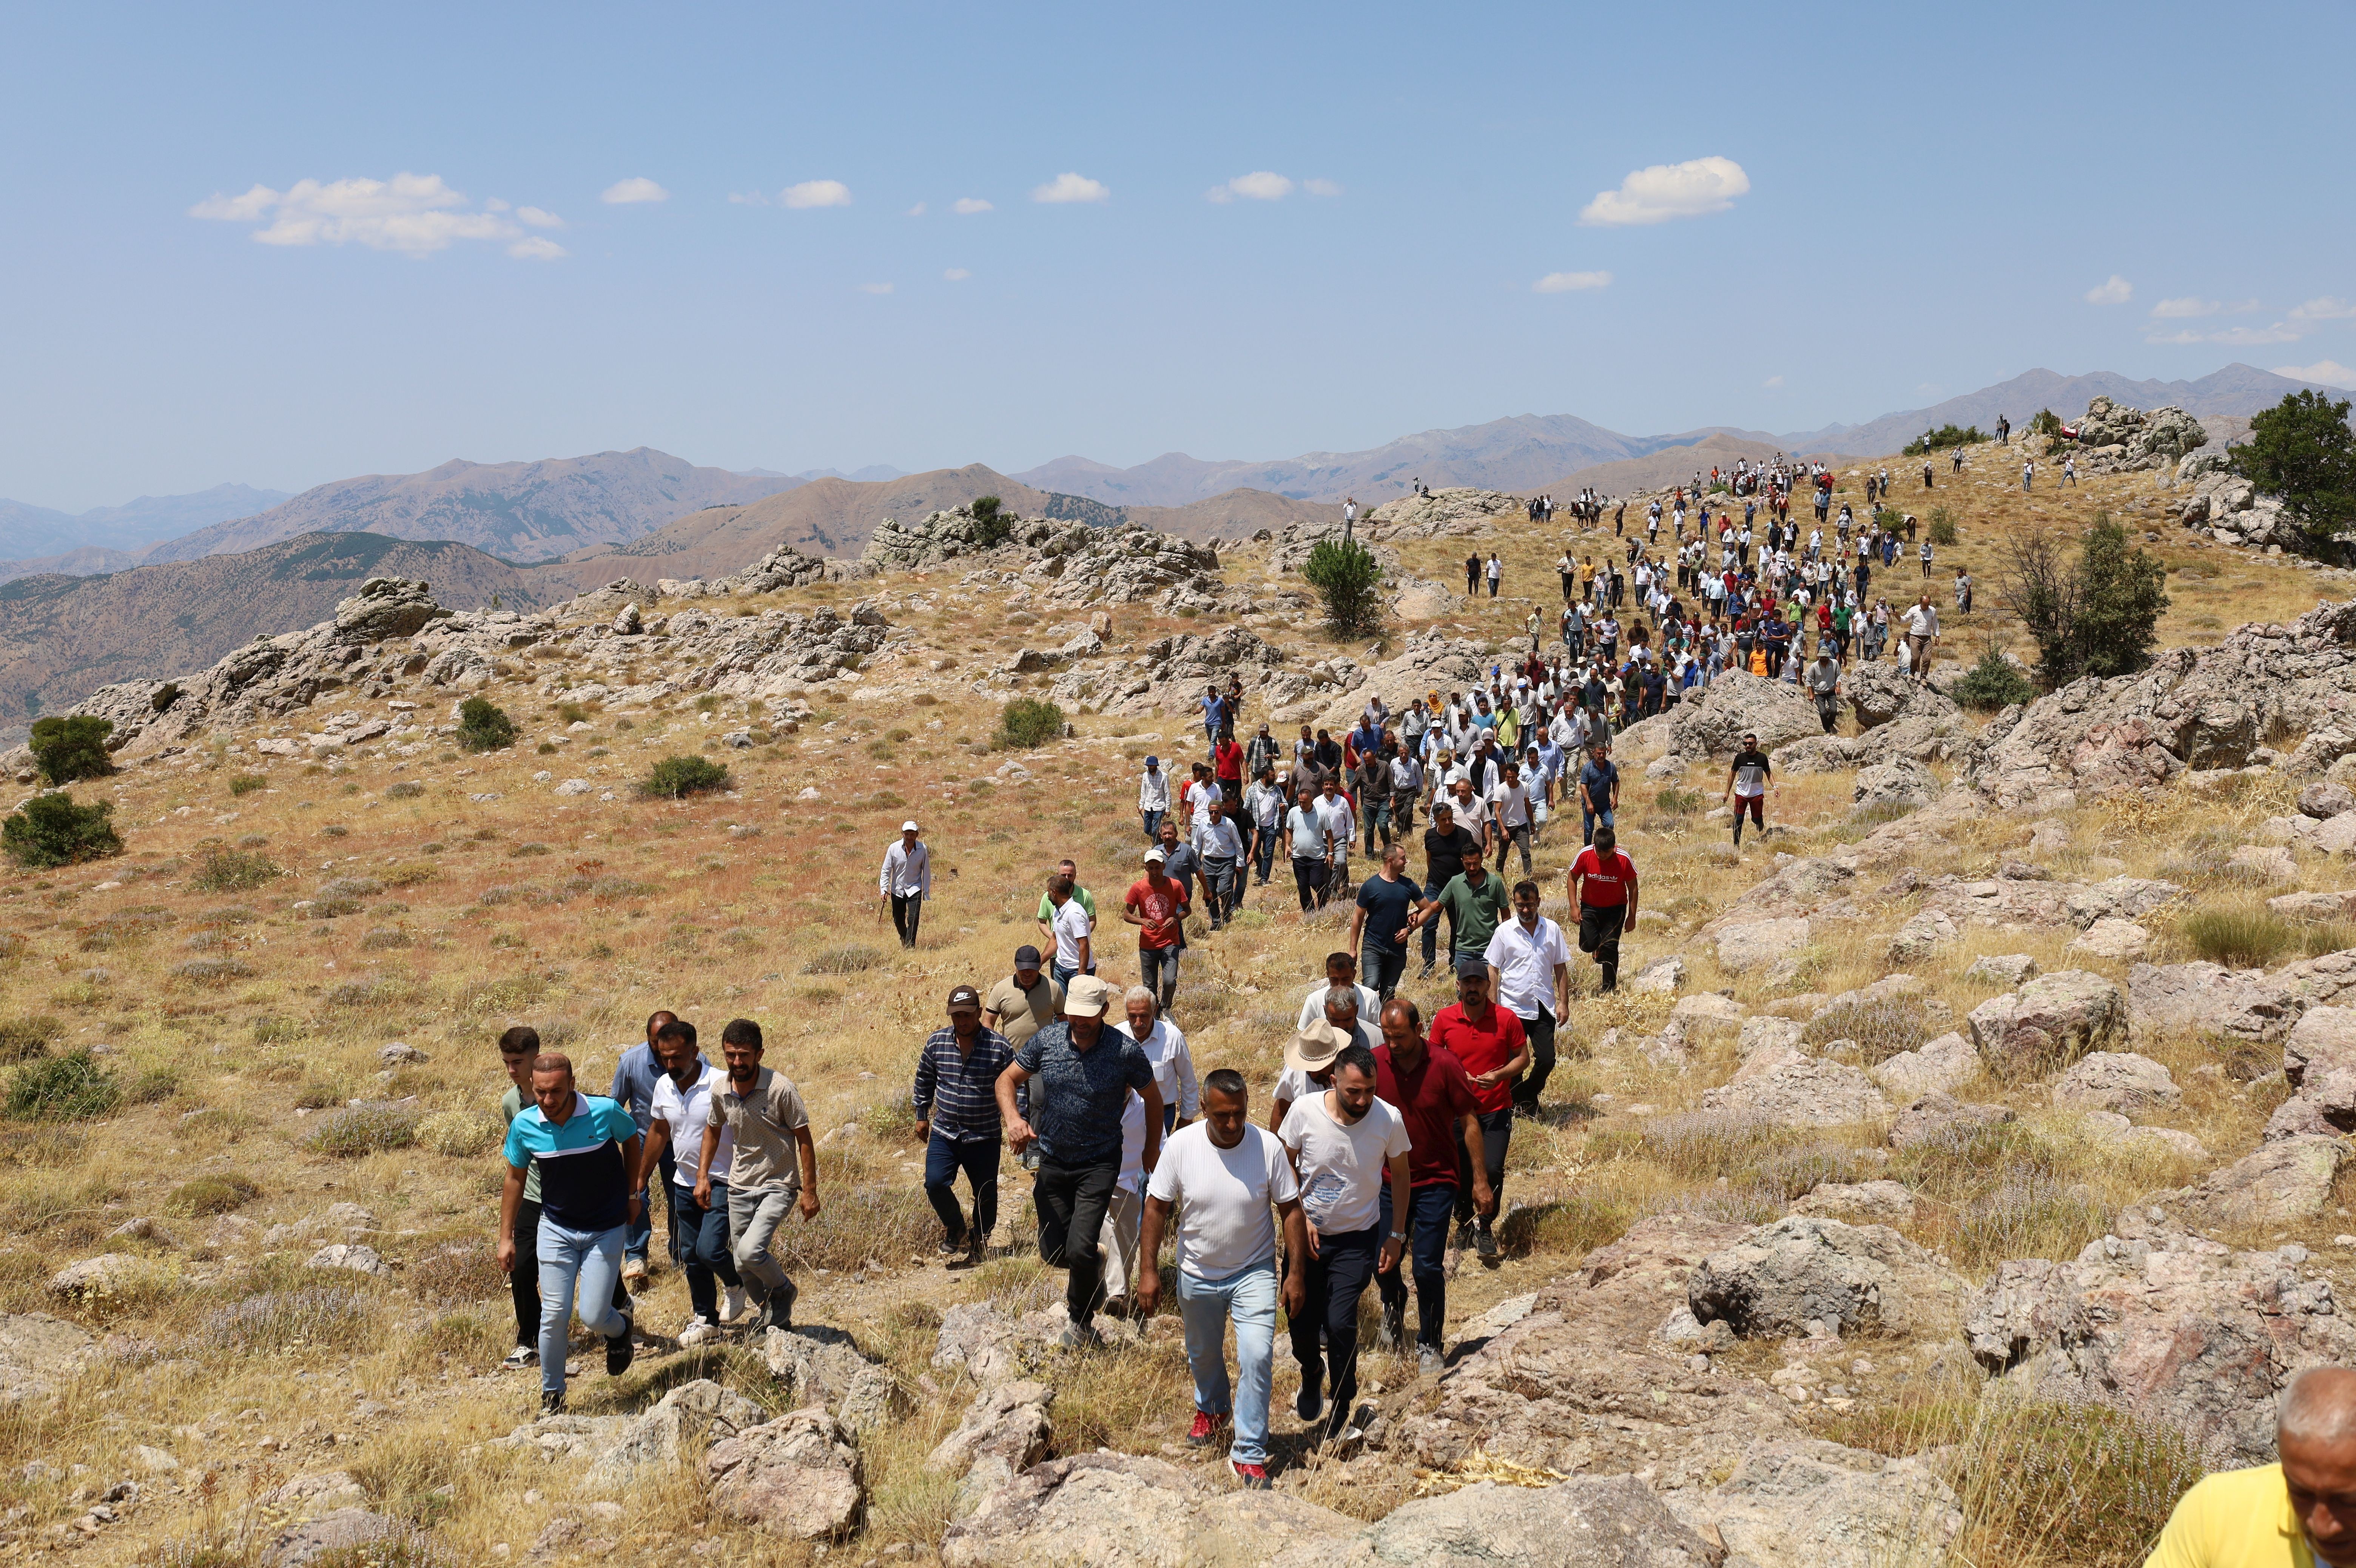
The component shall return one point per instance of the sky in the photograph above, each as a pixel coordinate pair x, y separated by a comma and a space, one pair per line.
280, 245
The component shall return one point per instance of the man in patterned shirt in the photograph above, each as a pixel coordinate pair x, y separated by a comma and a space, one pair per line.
956, 1100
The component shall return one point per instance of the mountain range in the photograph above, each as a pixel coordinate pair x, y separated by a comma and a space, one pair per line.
30, 531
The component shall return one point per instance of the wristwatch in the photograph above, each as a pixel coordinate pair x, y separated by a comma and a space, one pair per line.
1399, 1235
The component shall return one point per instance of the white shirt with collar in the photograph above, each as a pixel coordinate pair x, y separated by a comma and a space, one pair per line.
906, 870
1153, 790
1216, 840
1312, 1007
1173, 1065
1524, 962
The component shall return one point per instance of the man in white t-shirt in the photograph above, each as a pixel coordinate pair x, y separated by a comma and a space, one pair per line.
1922, 632
1221, 1175
1509, 804
1343, 1142
1072, 931
682, 1095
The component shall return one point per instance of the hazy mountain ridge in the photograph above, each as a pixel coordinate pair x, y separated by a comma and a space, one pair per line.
29, 531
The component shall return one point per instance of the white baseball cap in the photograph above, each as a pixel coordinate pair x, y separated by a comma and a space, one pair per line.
910, 826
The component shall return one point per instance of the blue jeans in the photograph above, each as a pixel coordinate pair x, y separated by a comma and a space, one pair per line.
1247, 1297
593, 1259
703, 1247
638, 1233
1264, 852
1381, 971
1590, 820
1153, 824
978, 1159
1428, 1209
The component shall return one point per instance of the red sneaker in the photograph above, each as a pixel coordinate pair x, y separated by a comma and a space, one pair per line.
1206, 1429
1254, 1477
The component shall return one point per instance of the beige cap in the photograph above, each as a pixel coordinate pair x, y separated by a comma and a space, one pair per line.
1085, 997
1314, 1048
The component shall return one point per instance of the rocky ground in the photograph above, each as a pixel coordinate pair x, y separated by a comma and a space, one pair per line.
1971, 1145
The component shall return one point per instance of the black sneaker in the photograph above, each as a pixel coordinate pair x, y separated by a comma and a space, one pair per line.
781, 1307
1394, 1330
950, 1246
1311, 1404
620, 1350
1484, 1241
551, 1401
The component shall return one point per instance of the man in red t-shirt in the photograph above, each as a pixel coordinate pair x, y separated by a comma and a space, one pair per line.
1428, 1088
1604, 891
1227, 767
1489, 1041
1155, 905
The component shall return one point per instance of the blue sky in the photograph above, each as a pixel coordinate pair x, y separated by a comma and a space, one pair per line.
1928, 195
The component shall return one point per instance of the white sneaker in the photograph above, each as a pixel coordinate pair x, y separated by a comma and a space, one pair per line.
732, 1307
699, 1332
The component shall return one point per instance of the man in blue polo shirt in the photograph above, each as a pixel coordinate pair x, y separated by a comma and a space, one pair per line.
635, 1077
587, 1151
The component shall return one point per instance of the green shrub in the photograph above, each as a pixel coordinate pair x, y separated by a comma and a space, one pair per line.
483, 727
404, 789
52, 830
212, 1195
1678, 800
363, 1130
246, 783
68, 1088
1994, 683
2240, 938
2303, 451
1027, 723
21, 1040
1946, 435
1347, 579
2098, 616
1942, 522
993, 523
71, 746
849, 960
233, 872
675, 778
2046, 423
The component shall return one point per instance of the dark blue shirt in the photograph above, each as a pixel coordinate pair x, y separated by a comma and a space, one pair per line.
957, 1091
1388, 905
1078, 1097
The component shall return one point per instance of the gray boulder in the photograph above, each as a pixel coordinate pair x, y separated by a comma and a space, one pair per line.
815, 1364
1938, 1119
1807, 1503
2325, 1106
2280, 1183
1006, 1430
342, 1533
1711, 722
1901, 783
2117, 1081
1587, 1521
38, 1355
1103, 1510
387, 607
2323, 1041
688, 1418
2323, 800
2009, 970
2208, 999
2050, 1022
1934, 1067
1860, 1203
1756, 944
1804, 1091
798, 1475
1800, 1271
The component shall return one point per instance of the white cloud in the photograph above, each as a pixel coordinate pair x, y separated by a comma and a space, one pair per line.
917, 210
416, 215
2233, 336
816, 193
748, 199
539, 218
1219, 194
2325, 308
1571, 283
1773, 381
2241, 307
1071, 187
1261, 186
874, 288
2185, 307
957, 274
637, 187
1664, 191
1322, 187
2324, 371
967, 206
2113, 289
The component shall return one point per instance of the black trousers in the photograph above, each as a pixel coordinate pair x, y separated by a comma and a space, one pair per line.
1496, 1137
1599, 932
907, 909
1540, 1033
1072, 1200
1334, 1279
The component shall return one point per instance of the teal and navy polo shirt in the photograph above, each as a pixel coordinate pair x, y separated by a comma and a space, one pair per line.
583, 1178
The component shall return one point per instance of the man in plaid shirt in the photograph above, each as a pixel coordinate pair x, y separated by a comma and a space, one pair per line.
956, 1101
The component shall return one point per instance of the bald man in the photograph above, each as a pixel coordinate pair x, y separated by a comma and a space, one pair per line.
2301, 1508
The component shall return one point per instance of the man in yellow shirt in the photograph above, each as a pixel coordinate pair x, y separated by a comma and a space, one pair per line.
2297, 1513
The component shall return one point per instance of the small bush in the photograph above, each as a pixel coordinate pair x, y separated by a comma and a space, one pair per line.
69, 1088
52, 830
1027, 723
1946, 435
453, 1276
1679, 801
355, 994
384, 938
363, 1130
212, 1195
572, 712
1879, 1030
2240, 938
215, 972
483, 726
1942, 523
461, 1135
518, 852
351, 887
321, 1316
707, 703
1994, 683
233, 872
404, 789
991, 521
846, 960
1348, 581
72, 747
675, 778
246, 783
21, 1040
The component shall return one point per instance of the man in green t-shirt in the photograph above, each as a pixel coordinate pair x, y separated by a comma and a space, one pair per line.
1085, 899
1475, 901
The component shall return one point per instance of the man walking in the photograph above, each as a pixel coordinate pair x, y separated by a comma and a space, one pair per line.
1599, 791
1428, 1088
1264, 808
1384, 915
1156, 906
1495, 569
1223, 1176
1472, 575
905, 881
1824, 684
956, 1101
1343, 1142
1604, 891
1445, 845
1922, 633
1509, 804
1312, 840
1748, 777
1220, 848
1085, 1072
681, 1104
1474, 902
1529, 975
772, 1169
1342, 825
1152, 798
636, 1074
1020, 1005
586, 1150
1487, 1039
1074, 931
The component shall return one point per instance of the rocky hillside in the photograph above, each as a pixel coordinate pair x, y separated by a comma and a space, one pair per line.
61, 637
520, 511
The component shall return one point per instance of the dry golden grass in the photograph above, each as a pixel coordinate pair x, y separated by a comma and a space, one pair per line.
437, 919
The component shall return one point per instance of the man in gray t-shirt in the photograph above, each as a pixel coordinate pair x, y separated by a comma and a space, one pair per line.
772, 1169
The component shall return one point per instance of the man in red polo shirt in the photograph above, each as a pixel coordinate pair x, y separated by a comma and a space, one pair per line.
1227, 767
1488, 1040
1603, 885
1428, 1088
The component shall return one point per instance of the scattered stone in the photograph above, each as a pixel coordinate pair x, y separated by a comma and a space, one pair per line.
1940, 1118
2282, 1183
356, 1257
688, 1418
1808, 1092
2208, 999
1587, 1521
107, 1274
816, 1364
2117, 1081
1782, 1278
1104, 1510
1808, 1503
1899, 785
1933, 1067
1006, 1430
344, 1531
1661, 977
2122, 941
38, 1355
2322, 800
1864, 1203
1924, 932
2048, 1023
2264, 863
798, 1475
2322, 1041
401, 1054
2009, 970
1754, 945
